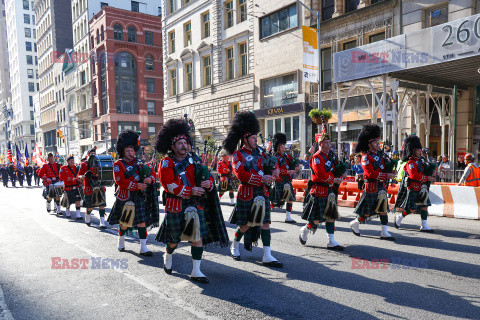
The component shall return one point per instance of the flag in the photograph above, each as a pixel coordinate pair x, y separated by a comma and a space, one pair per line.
26, 152
9, 153
19, 155
37, 157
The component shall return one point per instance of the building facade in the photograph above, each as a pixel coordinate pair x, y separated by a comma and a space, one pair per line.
22, 53
127, 76
82, 12
5, 95
209, 69
54, 35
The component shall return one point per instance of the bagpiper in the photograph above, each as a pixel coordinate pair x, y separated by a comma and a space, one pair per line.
283, 190
133, 178
94, 195
49, 173
320, 204
414, 185
224, 168
256, 171
192, 206
374, 200
71, 193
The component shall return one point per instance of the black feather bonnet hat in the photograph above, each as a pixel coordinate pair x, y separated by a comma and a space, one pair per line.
244, 124
172, 131
127, 139
368, 133
278, 139
412, 142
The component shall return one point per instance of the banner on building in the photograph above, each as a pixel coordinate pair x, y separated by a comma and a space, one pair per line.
310, 54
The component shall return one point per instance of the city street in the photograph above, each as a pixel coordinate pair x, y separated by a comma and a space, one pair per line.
36, 283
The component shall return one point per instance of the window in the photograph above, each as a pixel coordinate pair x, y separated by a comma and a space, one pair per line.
150, 85
242, 10
152, 129
118, 32
35, 47
351, 5
83, 78
36, 61
328, 7
25, 5
187, 33
207, 71
26, 18
134, 126
173, 82
149, 38
135, 6
326, 68
279, 21
149, 62
151, 107
30, 73
296, 128
185, 2
132, 34
230, 63
242, 48
102, 33
28, 46
279, 91
31, 115
228, 14
188, 76
171, 6
436, 16
171, 41
206, 25
34, 33
32, 129
349, 45
31, 87
233, 109
33, 19
30, 100
28, 32
125, 83
376, 37
29, 59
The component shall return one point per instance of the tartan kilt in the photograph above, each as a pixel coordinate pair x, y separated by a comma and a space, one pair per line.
116, 212
366, 205
87, 201
229, 185
48, 192
409, 201
73, 196
173, 224
316, 210
242, 208
277, 191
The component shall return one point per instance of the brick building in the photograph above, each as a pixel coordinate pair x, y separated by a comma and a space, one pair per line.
127, 76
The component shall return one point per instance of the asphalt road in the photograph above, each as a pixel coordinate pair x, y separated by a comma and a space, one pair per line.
314, 284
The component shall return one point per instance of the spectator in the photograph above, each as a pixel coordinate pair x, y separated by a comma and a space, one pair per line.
358, 170
445, 169
471, 175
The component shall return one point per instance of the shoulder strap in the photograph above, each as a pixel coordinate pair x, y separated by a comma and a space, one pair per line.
56, 176
74, 173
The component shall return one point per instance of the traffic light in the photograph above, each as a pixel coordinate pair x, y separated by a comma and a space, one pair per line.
392, 100
58, 133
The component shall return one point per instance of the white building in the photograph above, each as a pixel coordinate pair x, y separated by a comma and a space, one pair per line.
4, 83
22, 51
208, 62
82, 12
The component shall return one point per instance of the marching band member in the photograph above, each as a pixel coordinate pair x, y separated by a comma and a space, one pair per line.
374, 199
132, 177
321, 204
49, 173
415, 181
89, 175
192, 206
68, 174
252, 209
283, 189
224, 168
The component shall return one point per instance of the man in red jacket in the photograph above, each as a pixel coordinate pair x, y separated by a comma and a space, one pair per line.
50, 174
68, 174
224, 168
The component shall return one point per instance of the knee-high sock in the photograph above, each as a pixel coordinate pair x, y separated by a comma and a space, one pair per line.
266, 237
170, 249
423, 214
330, 227
220, 194
197, 253
230, 194
289, 207
384, 220
238, 234
102, 212
121, 232
142, 232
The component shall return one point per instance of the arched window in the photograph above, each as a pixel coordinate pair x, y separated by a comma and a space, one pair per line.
149, 62
98, 36
102, 33
126, 83
118, 32
132, 34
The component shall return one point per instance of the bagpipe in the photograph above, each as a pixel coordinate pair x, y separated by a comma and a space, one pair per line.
269, 161
295, 161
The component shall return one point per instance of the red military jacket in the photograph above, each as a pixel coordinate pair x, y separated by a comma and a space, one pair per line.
87, 188
414, 168
322, 172
283, 166
174, 185
249, 177
125, 185
225, 169
50, 173
69, 177
373, 171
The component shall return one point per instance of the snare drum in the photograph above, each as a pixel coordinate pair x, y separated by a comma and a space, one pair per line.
57, 188
105, 170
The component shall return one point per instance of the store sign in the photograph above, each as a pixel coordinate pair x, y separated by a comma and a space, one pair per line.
271, 112
310, 54
446, 42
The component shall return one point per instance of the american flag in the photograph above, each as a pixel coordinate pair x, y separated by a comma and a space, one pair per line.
9, 153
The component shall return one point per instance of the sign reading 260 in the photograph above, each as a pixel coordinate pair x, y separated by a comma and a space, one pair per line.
466, 29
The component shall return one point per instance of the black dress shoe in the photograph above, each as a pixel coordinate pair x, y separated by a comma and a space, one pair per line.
427, 231
247, 246
303, 242
103, 227
88, 224
336, 248
147, 253
121, 249
273, 264
202, 280
395, 224
290, 221
237, 258
388, 238
79, 218
167, 271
